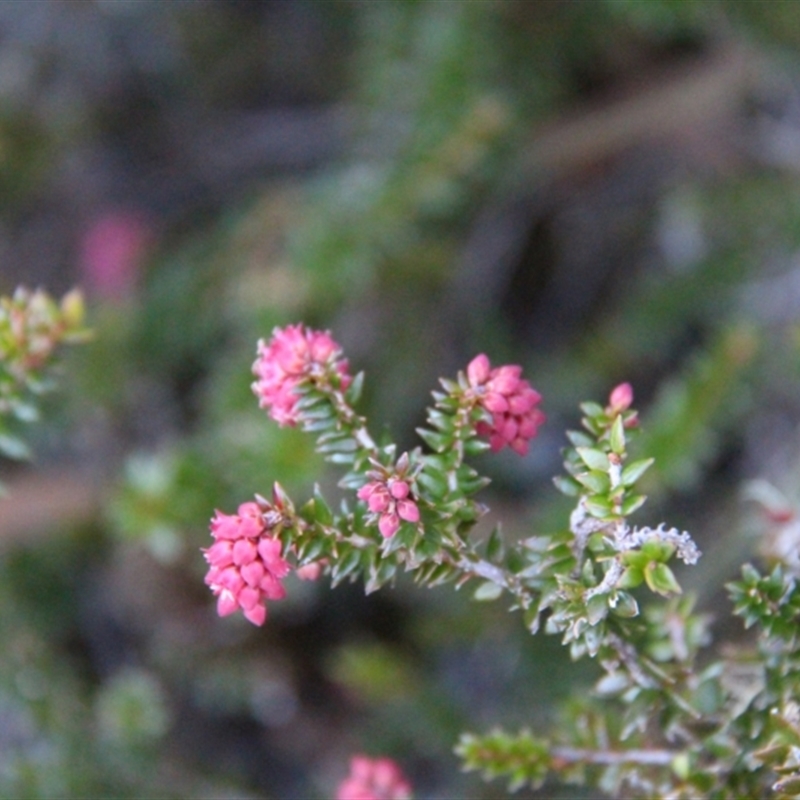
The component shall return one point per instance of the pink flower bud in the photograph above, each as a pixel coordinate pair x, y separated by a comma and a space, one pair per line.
244, 551
478, 370
388, 524
620, 398
253, 573
398, 489
408, 510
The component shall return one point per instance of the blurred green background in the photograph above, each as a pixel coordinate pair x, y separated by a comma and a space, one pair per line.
600, 190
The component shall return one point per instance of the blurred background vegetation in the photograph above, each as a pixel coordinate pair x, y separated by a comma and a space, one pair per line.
601, 190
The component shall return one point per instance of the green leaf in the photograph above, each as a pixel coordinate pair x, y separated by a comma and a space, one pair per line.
660, 579
494, 545
444, 422
631, 578
632, 503
616, 438
598, 507
475, 447
321, 424
633, 471
340, 458
436, 441
591, 409
567, 485
596, 482
337, 444
346, 565
626, 605
353, 393
434, 481
580, 439
488, 591
593, 458
322, 512
380, 573
597, 608
658, 550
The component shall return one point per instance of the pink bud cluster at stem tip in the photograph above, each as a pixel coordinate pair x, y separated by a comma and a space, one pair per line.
510, 400
245, 564
391, 500
374, 779
293, 355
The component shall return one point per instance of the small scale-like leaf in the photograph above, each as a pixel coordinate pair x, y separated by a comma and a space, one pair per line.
347, 564
488, 591
340, 458
616, 437
475, 447
597, 608
495, 545
633, 471
580, 439
599, 507
613, 683
660, 579
322, 511
436, 441
353, 393
321, 424
337, 444
631, 578
566, 485
626, 605
632, 503
591, 409
593, 458
595, 482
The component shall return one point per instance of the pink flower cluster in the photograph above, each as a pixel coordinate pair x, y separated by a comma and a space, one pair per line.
245, 564
293, 355
510, 400
391, 500
374, 779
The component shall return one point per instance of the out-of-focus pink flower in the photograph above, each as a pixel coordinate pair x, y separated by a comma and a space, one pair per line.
620, 398
111, 254
390, 500
510, 400
293, 355
374, 779
310, 572
245, 564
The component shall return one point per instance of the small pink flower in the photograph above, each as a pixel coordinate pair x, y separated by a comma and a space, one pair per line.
510, 400
245, 564
292, 356
389, 498
374, 779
